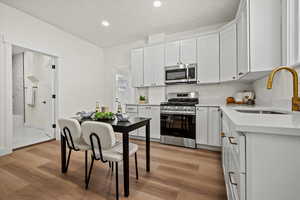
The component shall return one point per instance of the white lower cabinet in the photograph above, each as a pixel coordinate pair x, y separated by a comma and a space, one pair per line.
132, 111
208, 126
152, 112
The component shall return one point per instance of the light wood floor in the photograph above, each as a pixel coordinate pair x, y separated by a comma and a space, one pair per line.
176, 174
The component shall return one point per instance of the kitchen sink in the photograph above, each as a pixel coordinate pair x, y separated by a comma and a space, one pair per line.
262, 112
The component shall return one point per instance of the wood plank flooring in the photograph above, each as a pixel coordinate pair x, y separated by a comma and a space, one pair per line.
176, 174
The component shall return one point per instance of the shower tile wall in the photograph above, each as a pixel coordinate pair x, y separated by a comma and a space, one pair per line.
18, 92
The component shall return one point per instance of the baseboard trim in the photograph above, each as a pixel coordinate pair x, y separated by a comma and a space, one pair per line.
208, 147
4, 152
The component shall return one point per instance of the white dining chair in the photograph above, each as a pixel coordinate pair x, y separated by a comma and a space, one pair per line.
105, 148
71, 130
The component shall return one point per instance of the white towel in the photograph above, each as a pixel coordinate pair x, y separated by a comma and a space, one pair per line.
30, 95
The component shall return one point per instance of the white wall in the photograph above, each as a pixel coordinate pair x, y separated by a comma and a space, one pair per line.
81, 68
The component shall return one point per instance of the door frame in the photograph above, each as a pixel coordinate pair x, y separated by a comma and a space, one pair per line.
55, 86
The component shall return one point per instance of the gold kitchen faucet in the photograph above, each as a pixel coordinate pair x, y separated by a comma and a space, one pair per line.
295, 98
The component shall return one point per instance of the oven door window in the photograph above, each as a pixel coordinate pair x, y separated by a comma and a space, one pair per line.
192, 73
178, 125
176, 74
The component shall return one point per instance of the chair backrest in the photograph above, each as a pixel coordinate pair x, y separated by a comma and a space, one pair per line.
104, 132
70, 127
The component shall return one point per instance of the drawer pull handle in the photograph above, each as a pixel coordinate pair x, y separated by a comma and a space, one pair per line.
222, 134
230, 178
231, 142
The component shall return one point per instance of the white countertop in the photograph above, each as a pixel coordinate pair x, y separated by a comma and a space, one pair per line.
287, 124
146, 104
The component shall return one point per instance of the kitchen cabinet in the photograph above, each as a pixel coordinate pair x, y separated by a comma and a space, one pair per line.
132, 112
259, 32
152, 112
172, 53
188, 51
137, 67
242, 42
154, 61
184, 51
208, 58
262, 164
228, 54
214, 120
201, 125
208, 126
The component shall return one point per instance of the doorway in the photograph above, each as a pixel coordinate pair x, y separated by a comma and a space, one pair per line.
33, 85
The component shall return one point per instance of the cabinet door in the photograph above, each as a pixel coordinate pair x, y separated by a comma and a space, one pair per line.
228, 54
208, 59
172, 53
143, 111
188, 51
242, 42
201, 125
137, 65
214, 122
155, 122
154, 65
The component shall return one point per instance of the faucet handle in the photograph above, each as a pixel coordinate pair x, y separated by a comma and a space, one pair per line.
296, 103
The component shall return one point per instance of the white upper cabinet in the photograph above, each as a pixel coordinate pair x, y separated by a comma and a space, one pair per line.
242, 41
172, 53
208, 59
265, 34
228, 54
259, 35
137, 67
188, 51
154, 62
184, 51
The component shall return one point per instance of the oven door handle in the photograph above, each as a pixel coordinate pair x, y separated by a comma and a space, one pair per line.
187, 73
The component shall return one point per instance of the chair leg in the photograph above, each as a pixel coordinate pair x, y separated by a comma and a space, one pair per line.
86, 163
109, 163
112, 166
117, 182
136, 167
68, 161
89, 175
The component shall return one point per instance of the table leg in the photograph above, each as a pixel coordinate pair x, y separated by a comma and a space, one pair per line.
63, 154
148, 146
126, 163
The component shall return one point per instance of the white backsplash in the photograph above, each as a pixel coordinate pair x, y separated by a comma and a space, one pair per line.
208, 94
281, 93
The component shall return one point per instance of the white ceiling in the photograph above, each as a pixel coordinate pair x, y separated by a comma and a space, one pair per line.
130, 20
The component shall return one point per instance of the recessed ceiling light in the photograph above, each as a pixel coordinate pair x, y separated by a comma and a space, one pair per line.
105, 23
157, 4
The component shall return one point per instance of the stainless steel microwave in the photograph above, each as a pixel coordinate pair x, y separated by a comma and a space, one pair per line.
181, 74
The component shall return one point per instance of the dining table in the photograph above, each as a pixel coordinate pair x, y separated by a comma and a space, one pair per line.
123, 127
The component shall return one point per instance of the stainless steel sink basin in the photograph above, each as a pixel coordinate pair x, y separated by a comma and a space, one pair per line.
262, 112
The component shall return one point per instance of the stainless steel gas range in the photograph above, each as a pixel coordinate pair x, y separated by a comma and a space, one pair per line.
178, 119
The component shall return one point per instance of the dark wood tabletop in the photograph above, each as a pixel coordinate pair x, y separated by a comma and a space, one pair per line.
122, 126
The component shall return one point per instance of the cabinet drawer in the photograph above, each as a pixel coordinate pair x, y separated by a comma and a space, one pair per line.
237, 148
237, 185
